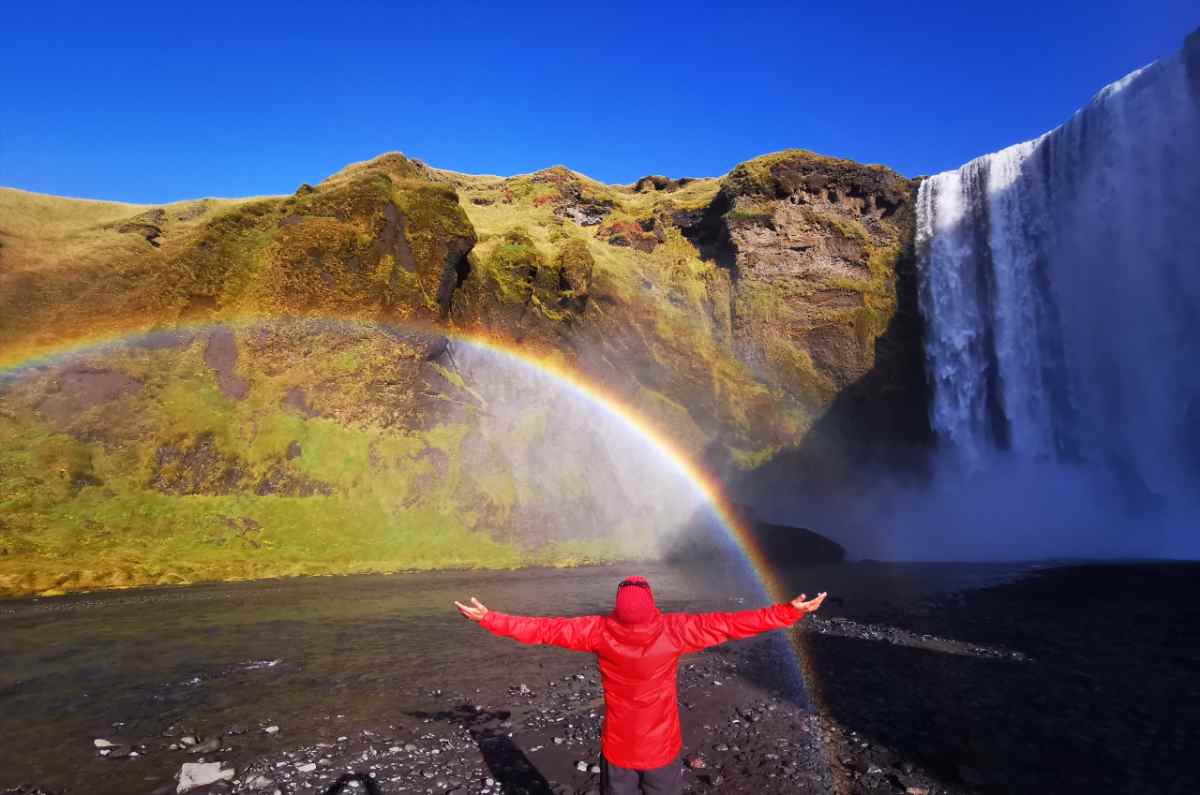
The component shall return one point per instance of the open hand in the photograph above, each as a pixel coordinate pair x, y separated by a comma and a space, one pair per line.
474, 611
809, 606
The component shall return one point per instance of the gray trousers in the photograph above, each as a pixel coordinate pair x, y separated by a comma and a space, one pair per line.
665, 780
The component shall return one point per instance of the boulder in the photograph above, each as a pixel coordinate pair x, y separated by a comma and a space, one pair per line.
200, 774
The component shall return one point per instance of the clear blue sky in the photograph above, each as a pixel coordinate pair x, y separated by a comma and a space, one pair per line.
173, 100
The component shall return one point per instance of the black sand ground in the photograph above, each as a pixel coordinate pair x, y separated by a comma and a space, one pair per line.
1060, 680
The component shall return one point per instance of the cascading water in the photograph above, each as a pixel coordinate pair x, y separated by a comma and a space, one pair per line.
1060, 283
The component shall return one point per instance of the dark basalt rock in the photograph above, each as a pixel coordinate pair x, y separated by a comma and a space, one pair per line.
657, 182
782, 544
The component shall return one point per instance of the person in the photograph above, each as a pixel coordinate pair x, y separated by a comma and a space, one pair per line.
638, 648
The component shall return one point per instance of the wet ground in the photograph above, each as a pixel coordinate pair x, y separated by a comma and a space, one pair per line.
939, 678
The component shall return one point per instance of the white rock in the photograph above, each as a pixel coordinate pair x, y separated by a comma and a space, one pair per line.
200, 774
259, 782
582, 767
99, 743
307, 767
271, 729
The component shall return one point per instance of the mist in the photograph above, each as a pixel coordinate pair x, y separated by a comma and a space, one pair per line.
580, 470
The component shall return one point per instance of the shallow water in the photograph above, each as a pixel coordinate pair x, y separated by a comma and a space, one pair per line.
317, 656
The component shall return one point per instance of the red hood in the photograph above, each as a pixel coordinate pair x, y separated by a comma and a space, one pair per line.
634, 634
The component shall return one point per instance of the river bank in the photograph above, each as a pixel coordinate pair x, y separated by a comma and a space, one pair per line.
937, 678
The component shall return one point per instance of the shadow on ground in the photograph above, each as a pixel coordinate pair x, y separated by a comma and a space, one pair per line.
507, 763
348, 780
1108, 699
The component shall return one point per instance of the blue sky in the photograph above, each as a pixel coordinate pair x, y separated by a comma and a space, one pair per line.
167, 101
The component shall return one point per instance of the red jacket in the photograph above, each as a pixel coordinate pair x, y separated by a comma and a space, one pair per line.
638, 666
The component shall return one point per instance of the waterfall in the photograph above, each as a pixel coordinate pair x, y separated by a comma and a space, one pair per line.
1060, 285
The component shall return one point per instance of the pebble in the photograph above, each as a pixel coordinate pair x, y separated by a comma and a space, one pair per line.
582, 767
272, 730
206, 747
307, 767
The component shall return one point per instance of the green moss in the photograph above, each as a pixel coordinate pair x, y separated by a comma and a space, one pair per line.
756, 176
512, 265
432, 208
752, 213
848, 228
749, 460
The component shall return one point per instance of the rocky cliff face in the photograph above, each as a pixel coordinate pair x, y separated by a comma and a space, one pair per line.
812, 245
265, 386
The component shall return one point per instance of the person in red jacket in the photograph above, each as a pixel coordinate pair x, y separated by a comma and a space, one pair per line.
639, 648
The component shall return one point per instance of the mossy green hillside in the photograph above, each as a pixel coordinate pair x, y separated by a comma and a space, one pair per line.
175, 481
728, 313
378, 241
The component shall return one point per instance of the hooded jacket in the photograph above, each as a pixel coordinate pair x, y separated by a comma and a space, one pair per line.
638, 668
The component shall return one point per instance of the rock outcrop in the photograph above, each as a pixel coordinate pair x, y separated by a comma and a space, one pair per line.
813, 246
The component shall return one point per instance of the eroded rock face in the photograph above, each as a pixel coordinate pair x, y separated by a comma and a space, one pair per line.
196, 466
77, 389
657, 182
148, 225
814, 245
199, 466
221, 354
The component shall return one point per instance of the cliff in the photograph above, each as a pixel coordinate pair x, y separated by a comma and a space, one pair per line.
219, 389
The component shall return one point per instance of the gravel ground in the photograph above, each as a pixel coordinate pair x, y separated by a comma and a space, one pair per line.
1068, 679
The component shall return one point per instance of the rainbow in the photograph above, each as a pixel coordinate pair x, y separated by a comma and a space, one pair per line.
704, 484
579, 385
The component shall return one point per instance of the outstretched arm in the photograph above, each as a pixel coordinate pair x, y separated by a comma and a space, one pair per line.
568, 633
700, 630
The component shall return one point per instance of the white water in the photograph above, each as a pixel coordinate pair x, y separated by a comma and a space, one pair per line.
1060, 284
